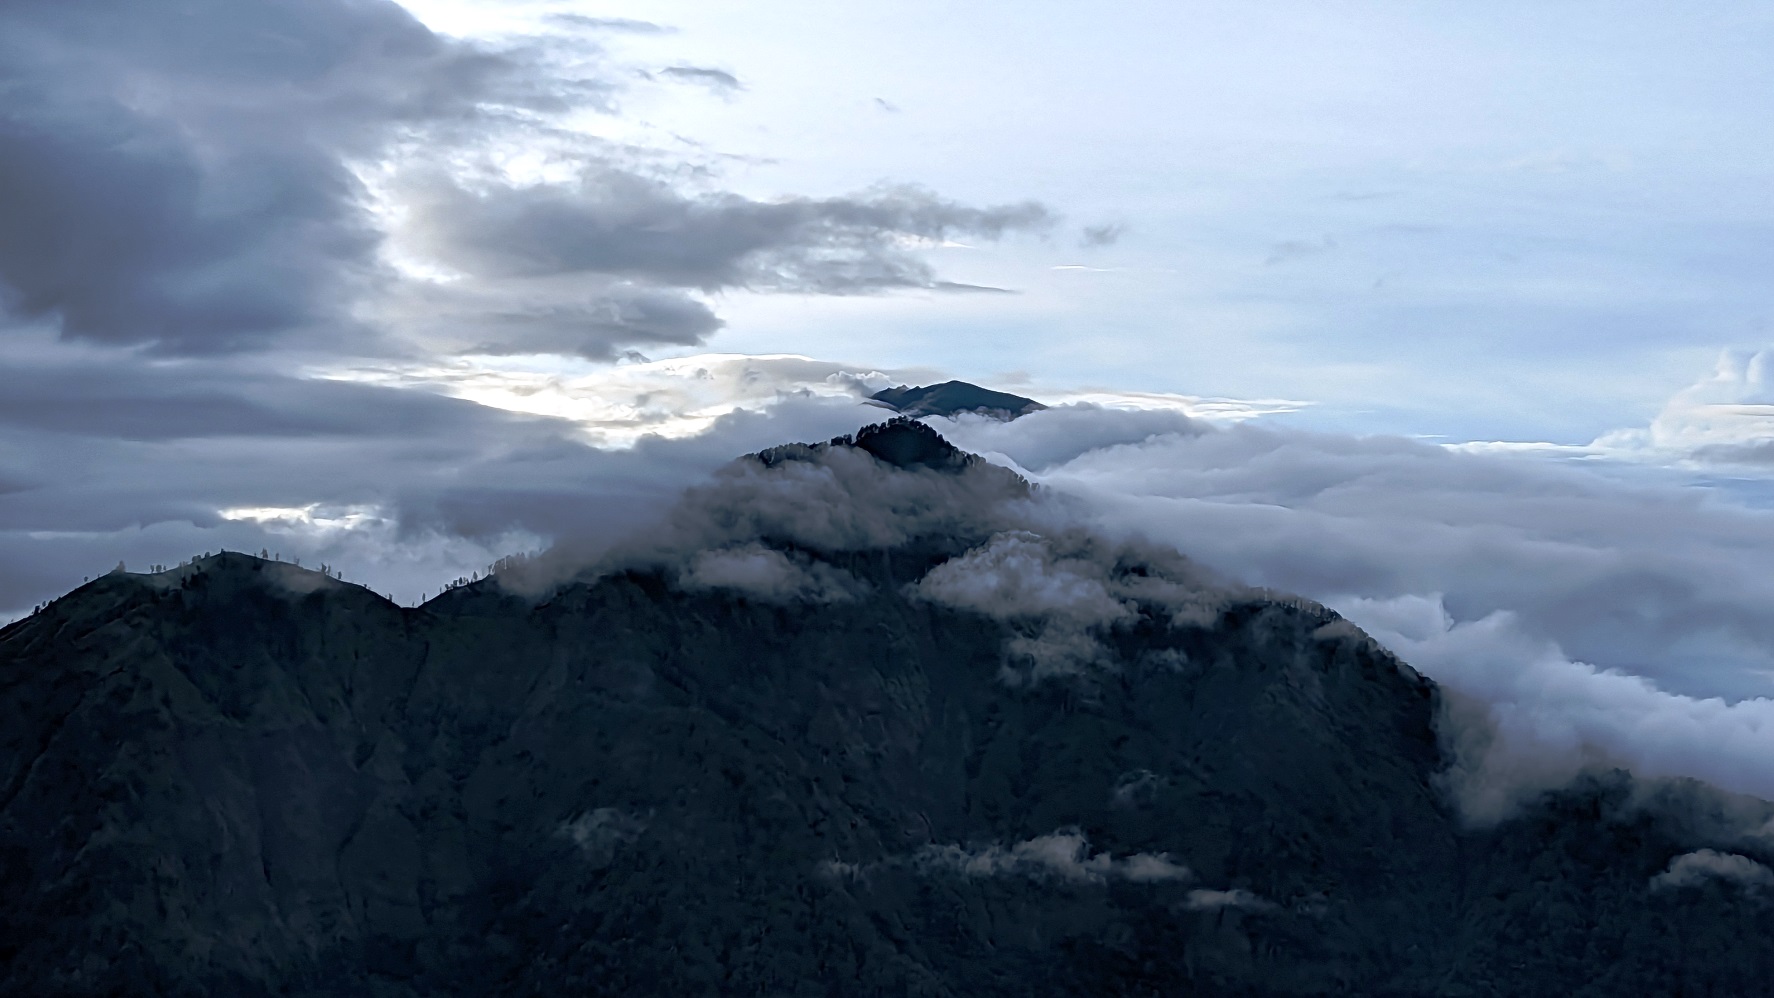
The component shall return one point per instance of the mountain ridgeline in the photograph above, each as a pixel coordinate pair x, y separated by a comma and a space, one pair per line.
870, 717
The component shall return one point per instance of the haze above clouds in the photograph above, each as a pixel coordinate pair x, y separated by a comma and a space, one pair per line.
1411, 311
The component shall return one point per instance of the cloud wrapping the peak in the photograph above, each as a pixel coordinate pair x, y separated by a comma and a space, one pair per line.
841, 499
764, 526
180, 175
211, 178
1580, 615
1535, 719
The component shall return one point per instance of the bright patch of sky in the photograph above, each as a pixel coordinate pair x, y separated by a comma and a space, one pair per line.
1506, 221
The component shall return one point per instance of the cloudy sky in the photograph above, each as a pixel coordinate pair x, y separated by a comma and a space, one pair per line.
1448, 314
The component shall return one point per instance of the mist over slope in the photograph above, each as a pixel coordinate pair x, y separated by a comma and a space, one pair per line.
1595, 615
867, 717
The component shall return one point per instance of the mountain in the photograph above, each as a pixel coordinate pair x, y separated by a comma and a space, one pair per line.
865, 717
953, 397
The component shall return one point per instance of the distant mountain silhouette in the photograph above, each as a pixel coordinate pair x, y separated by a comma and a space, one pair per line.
797, 759
953, 397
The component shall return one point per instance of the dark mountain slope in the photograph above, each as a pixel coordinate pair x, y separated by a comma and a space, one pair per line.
243, 778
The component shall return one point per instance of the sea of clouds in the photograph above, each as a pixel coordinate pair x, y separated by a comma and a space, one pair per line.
1582, 613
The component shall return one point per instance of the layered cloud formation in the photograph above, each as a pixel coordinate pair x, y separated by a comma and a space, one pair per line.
1583, 614
247, 250
216, 177
1587, 613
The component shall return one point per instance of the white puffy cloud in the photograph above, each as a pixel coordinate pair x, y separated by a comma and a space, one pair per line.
1018, 574
1530, 718
1694, 868
1580, 613
1064, 855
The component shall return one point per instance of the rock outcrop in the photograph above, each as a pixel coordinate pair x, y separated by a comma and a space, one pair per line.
953, 397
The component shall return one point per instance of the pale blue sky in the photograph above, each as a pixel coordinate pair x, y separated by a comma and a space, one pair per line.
1487, 221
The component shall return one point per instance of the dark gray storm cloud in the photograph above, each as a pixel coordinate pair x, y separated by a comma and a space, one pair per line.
111, 398
569, 314
618, 223
1581, 614
176, 174
211, 177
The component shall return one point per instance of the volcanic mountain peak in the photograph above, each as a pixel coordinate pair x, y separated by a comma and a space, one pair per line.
952, 397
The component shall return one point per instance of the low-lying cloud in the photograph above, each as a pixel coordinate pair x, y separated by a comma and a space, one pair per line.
1019, 575
1063, 855
1580, 615
245, 247
1061, 591
1695, 868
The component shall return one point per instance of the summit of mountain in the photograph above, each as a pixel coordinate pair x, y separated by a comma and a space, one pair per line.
953, 397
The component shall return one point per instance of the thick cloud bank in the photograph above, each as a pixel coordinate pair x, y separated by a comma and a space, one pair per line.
208, 177
779, 525
1584, 615
1064, 855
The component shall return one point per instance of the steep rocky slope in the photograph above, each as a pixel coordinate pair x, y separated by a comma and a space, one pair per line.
915, 748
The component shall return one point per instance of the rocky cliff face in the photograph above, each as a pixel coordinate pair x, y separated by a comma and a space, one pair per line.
916, 748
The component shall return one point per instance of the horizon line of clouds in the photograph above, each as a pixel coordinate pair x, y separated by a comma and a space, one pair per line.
637, 407
680, 396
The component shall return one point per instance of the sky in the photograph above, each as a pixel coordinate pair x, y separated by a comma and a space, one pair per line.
1449, 315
